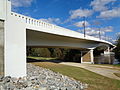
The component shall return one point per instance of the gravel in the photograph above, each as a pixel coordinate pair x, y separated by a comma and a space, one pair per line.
39, 78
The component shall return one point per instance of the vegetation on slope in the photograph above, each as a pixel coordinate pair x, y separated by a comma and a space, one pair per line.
95, 81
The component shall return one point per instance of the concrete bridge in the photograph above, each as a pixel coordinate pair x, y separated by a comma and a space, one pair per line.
18, 31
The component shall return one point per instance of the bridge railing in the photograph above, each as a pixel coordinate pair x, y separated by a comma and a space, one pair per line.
39, 23
32, 21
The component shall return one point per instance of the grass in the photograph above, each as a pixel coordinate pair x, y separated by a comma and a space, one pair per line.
95, 81
41, 58
117, 65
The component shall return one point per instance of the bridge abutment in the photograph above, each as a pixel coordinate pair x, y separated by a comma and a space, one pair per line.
87, 57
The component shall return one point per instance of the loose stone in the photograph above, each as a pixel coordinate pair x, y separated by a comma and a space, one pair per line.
39, 78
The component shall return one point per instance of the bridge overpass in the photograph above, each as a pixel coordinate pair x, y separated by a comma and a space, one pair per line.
18, 31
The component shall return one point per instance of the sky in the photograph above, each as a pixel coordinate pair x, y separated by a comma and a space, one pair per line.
99, 15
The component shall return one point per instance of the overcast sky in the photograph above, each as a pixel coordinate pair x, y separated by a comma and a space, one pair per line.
100, 14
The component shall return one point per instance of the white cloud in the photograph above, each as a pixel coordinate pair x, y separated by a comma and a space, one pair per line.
100, 5
21, 3
107, 38
80, 24
118, 34
91, 31
107, 29
52, 20
96, 31
80, 13
110, 13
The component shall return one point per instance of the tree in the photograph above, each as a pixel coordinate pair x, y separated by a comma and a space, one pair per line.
117, 49
99, 50
39, 52
73, 55
57, 53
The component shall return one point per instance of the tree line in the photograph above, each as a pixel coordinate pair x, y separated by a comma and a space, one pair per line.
59, 53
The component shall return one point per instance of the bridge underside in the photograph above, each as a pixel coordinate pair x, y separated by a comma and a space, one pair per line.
41, 39
46, 40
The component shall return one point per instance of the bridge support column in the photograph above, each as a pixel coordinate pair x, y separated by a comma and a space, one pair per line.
87, 57
15, 47
12, 42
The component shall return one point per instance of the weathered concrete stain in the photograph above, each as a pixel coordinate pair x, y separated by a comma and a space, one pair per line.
1, 47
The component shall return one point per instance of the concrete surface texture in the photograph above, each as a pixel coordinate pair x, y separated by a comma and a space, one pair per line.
1, 47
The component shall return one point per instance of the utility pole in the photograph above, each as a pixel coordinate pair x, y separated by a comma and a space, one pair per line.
84, 26
99, 33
